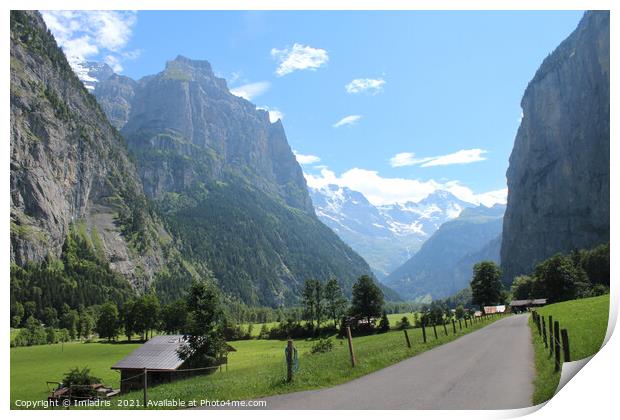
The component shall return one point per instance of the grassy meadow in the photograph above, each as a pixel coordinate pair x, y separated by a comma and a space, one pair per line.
586, 322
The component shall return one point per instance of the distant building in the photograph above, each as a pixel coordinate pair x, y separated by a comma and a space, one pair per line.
525, 304
497, 309
160, 358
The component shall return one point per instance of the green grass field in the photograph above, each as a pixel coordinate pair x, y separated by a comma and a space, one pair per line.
258, 367
586, 322
32, 366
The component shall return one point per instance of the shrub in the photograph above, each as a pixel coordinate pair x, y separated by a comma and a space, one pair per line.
322, 346
79, 380
264, 332
404, 323
384, 324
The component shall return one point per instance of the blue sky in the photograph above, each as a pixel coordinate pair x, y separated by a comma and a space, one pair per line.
425, 100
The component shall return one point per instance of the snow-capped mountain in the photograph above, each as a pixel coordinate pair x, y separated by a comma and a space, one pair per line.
95, 72
386, 236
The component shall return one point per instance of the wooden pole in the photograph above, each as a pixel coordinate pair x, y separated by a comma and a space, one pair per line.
289, 360
465, 322
544, 332
551, 335
454, 326
351, 346
407, 339
435, 330
565, 345
460, 325
423, 332
556, 338
145, 386
445, 329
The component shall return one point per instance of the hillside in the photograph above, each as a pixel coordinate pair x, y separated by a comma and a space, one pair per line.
558, 178
443, 265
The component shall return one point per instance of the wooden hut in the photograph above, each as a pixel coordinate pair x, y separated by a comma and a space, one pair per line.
159, 356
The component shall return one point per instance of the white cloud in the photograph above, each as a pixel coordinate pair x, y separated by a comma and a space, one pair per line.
348, 120
299, 57
251, 90
493, 197
85, 34
274, 114
403, 159
461, 157
382, 191
306, 159
372, 86
113, 62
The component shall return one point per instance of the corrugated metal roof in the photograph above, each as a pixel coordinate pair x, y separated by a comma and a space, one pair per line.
158, 353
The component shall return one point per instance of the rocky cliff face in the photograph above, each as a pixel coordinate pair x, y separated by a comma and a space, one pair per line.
68, 165
558, 178
113, 91
443, 265
187, 111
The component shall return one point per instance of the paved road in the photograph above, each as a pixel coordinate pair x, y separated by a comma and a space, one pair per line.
492, 368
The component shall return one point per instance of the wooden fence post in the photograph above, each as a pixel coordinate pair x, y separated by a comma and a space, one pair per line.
145, 386
289, 360
466, 322
453, 326
445, 329
351, 346
435, 330
556, 338
550, 335
544, 332
423, 332
407, 339
565, 345
460, 325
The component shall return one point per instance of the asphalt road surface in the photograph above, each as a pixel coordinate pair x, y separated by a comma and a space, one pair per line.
491, 368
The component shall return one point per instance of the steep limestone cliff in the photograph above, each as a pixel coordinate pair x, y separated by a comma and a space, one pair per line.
69, 165
558, 178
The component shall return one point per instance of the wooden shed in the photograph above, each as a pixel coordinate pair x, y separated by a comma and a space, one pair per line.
524, 304
160, 358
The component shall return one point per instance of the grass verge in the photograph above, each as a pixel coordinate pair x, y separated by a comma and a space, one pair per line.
586, 322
